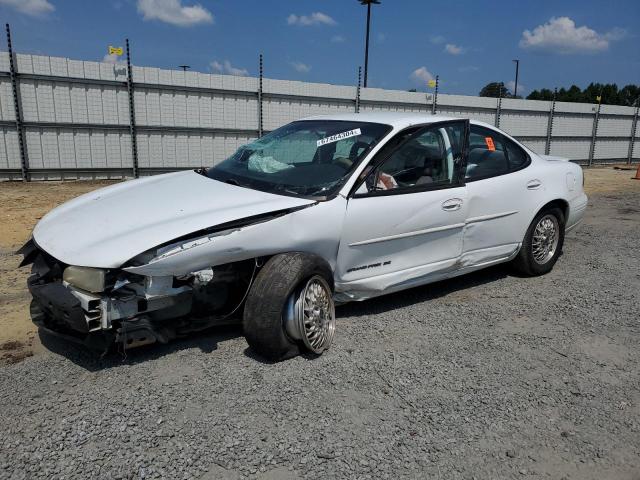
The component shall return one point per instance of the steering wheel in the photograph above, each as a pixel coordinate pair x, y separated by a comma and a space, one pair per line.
342, 162
353, 153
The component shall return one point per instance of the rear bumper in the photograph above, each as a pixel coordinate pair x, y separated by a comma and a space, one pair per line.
577, 208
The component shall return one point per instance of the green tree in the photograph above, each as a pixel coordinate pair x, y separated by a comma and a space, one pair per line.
494, 89
574, 94
608, 93
628, 95
543, 94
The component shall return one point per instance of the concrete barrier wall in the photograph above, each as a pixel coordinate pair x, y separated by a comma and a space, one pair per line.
76, 118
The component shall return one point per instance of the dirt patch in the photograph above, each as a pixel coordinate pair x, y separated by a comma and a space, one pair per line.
11, 345
15, 351
608, 179
15, 356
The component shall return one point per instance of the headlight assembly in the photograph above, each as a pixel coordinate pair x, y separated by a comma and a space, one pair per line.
86, 278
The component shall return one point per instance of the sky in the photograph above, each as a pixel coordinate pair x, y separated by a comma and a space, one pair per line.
467, 43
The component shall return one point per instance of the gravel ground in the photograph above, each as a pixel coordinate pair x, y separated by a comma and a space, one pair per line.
484, 376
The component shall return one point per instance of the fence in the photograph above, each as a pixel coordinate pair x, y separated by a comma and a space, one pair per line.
63, 118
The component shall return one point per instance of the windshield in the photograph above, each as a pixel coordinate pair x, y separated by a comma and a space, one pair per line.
309, 158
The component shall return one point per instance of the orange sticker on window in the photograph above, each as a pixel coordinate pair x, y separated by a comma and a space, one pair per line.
489, 142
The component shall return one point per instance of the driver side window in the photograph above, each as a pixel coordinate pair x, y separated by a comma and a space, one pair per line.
426, 160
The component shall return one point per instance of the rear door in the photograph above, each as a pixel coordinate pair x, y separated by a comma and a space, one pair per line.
405, 221
501, 190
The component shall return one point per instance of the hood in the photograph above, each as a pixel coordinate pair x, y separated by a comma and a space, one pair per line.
109, 226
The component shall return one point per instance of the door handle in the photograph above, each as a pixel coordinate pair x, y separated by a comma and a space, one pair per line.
534, 184
452, 204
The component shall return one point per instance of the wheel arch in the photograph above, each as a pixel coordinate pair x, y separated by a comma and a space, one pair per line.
330, 269
560, 203
265, 258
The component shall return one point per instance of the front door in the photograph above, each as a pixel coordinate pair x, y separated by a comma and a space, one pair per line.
405, 223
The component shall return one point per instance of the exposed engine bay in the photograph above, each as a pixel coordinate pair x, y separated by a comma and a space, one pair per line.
102, 306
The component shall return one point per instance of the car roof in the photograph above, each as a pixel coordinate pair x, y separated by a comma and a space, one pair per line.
398, 120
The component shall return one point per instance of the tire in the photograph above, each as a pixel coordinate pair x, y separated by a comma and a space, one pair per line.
532, 259
278, 284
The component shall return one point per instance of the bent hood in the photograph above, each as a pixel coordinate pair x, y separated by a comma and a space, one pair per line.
109, 226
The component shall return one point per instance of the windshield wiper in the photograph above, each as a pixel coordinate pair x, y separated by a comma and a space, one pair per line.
285, 188
233, 181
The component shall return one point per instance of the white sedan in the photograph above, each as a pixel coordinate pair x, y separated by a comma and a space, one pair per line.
322, 210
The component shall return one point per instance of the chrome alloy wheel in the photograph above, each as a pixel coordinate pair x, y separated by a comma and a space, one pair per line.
310, 316
545, 239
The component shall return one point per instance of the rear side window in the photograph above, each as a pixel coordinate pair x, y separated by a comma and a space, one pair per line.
518, 158
492, 154
487, 157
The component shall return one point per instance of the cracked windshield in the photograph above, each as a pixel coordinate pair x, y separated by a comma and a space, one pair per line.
307, 158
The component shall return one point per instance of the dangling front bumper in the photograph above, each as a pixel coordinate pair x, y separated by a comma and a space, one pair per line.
130, 311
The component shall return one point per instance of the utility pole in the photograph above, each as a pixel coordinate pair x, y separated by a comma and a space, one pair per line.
434, 105
552, 112
132, 115
499, 105
366, 47
260, 93
515, 88
632, 139
185, 67
594, 133
15, 87
358, 90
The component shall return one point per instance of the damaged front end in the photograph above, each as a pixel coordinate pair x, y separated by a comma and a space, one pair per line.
105, 306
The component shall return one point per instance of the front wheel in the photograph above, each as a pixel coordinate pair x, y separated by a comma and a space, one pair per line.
290, 307
542, 243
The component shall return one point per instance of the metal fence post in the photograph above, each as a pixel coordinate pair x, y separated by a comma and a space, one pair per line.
634, 126
358, 90
547, 147
434, 105
132, 114
499, 105
13, 71
260, 78
594, 135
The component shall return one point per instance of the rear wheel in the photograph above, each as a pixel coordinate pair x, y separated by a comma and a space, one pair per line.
542, 243
290, 307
